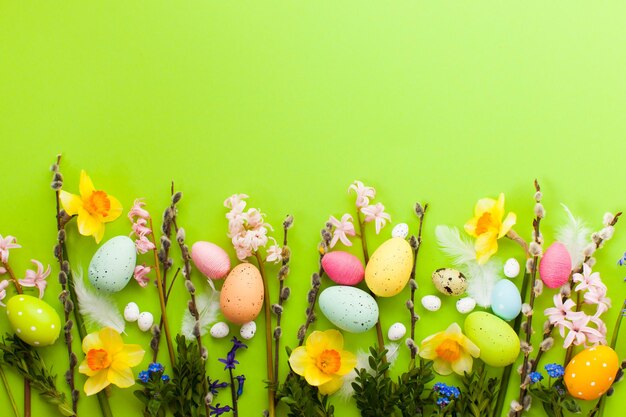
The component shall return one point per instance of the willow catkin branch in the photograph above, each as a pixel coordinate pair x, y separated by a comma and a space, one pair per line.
283, 293
416, 243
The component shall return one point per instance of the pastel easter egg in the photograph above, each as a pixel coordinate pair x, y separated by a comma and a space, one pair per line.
113, 264
555, 266
396, 331
33, 320
506, 301
241, 298
145, 321
248, 330
498, 343
219, 330
210, 259
131, 312
591, 373
389, 268
343, 268
400, 230
431, 302
511, 268
465, 305
449, 281
349, 308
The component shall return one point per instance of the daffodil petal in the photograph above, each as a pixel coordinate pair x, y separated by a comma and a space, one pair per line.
120, 376
316, 343
507, 224
96, 383
71, 203
442, 367
463, 364
348, 362
85, 186
111, 340
470, 226
331, 386
115, 209
314, 376
454, 329
470, 347
334, 340
92, 341
483, 205
129, 356
486, 245
84, 368
99, 234
299, 360
498, 209
87, 224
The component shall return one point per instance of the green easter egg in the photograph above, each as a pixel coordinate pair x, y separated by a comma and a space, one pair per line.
498, 343
33, 320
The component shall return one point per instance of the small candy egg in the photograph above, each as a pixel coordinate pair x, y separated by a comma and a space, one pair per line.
449, 281
396, 331
248, 330
555, 266
210, 259
511, 268
400, 230
131, 312
431, 302
506, 301
465, 305
33, 320
591, 372
219, 330
145, 321
113, 264
343, 268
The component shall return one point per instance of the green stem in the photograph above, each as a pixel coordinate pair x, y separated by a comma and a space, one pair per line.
268, 339
9, 393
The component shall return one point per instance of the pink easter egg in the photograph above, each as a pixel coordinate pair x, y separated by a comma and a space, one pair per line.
555, 266
343, 268
210, 259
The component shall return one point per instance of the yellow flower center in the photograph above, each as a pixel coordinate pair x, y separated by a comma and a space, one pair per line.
97, 203
449, 350
329, 361
483, 223
98, 359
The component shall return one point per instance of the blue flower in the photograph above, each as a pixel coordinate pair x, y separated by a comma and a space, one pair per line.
535, 377
439, 386
144, 376
622, 261
218, 411
155, 367
240, 380
555, 370
165, 378
447, 391
443, 401
230, 360
216, 385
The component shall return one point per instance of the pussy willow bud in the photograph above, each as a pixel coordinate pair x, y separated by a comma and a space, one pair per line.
301, 333
196, 330
546, 344
283, 272
285, 293
190, 287
165, 243
73, 360
413, 284
62, 278
316, 280
311, 296
419, 210
277, 309
288, 222
176, 197
409, 304
180, 235
278, 332
413, 242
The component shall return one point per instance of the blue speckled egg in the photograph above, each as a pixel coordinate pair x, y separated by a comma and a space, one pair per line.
113, 264
506, 301
349, 308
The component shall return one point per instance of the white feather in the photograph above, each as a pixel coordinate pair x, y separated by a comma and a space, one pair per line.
575, 236
481, 280
461, 250
208, 309
362, 361
97, 309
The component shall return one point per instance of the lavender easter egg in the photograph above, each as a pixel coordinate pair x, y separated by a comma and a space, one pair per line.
555, 266
241, 298
210, 259
343, 268
33, 320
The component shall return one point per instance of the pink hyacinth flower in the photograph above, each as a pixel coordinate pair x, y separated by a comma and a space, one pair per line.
579, 331
3, 291
140, 275
137, 210
342, 229
6, 243
561, 310
36, 278
144, 245
140, 228
363, 193
376, 213
236, 202
587, 279
274, 253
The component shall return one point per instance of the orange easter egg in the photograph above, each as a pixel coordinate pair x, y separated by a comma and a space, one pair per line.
591, 373
241, 298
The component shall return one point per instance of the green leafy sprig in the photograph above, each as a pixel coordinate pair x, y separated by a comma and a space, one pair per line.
478, 394
375, 393
157, 393
188, 379
413, 397
29, 364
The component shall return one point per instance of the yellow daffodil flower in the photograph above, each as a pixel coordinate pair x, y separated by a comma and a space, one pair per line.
108, 361
322, 361
450, 350
93, 207
487, 226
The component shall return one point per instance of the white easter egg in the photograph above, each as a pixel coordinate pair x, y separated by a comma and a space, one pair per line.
396, 331
145, 321
248, 330
400, 230
131, 312
465, 305
219, 330
431, 302
511, 268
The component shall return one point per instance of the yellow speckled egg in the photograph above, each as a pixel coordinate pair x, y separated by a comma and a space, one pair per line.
591, 373
389, 268
241, 298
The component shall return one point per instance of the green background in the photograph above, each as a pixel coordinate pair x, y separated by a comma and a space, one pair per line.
443, 102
